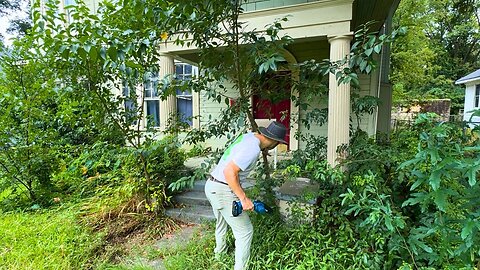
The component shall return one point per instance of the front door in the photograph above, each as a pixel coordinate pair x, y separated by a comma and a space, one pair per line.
273, 101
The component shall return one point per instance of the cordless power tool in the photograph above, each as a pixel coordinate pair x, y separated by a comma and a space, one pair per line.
258, 206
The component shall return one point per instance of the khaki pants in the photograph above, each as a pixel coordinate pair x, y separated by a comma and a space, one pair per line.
221, 198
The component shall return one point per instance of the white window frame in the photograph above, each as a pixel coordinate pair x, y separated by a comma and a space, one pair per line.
151, 85
186, 76
67, 12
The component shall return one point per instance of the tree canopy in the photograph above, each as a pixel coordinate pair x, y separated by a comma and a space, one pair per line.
441, 46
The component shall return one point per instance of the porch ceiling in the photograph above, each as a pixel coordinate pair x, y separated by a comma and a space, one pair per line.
372, 10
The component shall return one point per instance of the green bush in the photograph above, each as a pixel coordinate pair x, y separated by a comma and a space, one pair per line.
427, 208
444, 193
83, 169
104, 169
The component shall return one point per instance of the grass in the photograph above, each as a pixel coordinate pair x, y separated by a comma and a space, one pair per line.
197, 253
45, 240
95, 233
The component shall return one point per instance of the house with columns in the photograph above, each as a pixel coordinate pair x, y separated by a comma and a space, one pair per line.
321, 29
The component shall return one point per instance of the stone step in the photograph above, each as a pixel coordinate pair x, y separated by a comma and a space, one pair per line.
199, 186
192, 198
192, 214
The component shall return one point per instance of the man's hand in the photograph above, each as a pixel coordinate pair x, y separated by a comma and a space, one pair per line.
247, 204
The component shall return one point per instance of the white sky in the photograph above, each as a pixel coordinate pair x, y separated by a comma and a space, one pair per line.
4, 22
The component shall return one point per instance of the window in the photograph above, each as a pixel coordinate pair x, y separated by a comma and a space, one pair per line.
68, 12
185, 72
477, 96
129, 103
152, 101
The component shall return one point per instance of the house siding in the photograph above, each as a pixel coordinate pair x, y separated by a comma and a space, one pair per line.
210, 110
367, 121
469, 102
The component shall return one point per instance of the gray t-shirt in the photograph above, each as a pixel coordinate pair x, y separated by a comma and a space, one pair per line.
244, 152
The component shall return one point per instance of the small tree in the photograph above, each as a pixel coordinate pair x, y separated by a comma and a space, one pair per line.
28, 131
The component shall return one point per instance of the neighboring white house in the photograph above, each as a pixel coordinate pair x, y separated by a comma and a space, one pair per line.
472, 96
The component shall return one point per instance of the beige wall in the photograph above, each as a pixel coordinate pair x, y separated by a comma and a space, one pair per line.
367, 123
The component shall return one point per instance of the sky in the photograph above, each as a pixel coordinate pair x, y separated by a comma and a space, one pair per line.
4, 22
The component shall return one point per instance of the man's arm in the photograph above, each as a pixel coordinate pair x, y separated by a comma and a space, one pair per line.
231, 175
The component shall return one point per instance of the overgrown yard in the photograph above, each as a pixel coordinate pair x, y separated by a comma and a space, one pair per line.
87, 169
410, 203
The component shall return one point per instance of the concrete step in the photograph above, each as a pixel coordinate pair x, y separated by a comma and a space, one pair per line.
191, 214
192, 198
195, 208
199, 186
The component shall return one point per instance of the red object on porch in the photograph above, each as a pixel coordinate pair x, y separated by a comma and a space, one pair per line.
280, 110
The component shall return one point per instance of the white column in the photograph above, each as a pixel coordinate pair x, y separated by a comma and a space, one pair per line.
196, 102
338, 102
168, 107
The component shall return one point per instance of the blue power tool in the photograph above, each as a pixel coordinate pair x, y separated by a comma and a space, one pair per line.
258, 206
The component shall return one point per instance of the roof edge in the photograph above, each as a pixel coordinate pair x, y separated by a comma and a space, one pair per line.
465, 81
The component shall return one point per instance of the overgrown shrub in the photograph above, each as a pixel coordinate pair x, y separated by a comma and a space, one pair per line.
104, 170
444, 191
426, 208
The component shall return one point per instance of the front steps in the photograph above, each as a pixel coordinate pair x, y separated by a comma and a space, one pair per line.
192, 206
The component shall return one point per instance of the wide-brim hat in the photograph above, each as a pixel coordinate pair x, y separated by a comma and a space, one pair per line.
275, 131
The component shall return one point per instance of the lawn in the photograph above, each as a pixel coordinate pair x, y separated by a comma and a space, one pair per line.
50, 239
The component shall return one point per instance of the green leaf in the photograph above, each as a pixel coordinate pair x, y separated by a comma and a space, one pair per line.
433, 155
82, 53
93, 54
363, 65
121, 55
472, 175
103, 53
368, 69
425, 247
415, 199
388, 223
65, 53
74, 48
435, 178
87, 47
112, 53
409, 162
416, 184
369, 51
467, 229
440, 199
